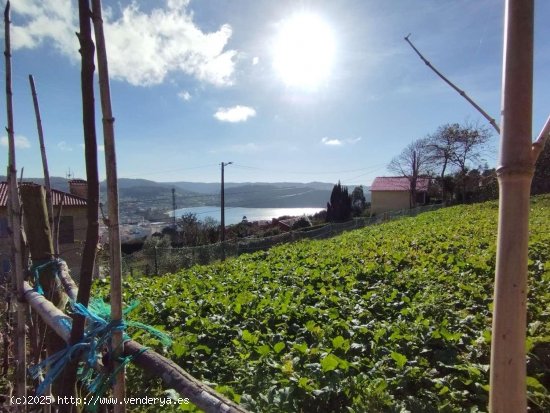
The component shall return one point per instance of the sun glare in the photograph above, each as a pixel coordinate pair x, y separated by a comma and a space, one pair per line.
304, 51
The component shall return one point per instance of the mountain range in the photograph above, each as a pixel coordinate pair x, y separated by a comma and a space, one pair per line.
144, 193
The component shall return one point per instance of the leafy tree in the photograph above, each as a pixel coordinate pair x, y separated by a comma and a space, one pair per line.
412, 163
358, 201
339, 207
457, 146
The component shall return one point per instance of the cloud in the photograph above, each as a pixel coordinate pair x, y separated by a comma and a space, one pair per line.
64, 146
339, 142
100, 148
235, 114
331, 142
184, 95
255, 60
21, 142
143, 48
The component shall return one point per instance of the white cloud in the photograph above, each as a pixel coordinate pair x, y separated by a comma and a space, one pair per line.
100, 148
235, 114
331, 142
339, 142
184, 95
255, 60
143, 48
21, 142
64, 146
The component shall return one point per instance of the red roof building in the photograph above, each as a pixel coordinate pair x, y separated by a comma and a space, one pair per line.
73, 223
68, 199
391, 193
398, 183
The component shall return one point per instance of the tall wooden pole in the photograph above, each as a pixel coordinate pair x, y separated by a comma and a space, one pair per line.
44, 162
112, 200
87, 51
515, 171
15, 220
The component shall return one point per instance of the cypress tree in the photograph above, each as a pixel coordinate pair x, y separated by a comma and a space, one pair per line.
339, 207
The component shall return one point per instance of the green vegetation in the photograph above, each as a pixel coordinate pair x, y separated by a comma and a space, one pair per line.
388, 318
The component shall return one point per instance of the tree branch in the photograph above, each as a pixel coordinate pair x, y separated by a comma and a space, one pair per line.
460, 92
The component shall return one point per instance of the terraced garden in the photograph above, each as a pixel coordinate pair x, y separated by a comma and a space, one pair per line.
389, 318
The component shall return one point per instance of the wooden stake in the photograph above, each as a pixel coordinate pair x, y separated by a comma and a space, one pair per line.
87, 51
112, 199
451, 84
508, 355
44, 163
88, 115
173, 375
41, 250
14, 213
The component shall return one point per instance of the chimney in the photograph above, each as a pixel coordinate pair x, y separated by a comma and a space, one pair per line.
78, 187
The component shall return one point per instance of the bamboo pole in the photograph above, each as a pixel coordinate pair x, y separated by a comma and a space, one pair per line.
451, 84
15, 219
112, 200
508, 354
44, 162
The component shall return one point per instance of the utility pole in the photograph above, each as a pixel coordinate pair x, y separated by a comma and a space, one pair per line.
222, 236
174, 207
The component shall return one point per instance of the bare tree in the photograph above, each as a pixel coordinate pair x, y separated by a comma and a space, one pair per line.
470, 143
412, 163
458, 146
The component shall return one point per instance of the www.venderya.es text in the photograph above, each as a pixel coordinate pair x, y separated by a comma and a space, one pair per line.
100, 401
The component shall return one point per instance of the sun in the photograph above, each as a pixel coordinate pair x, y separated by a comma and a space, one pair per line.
303, 52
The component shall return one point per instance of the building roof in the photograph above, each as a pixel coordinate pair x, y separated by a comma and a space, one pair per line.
398, 183
69, 200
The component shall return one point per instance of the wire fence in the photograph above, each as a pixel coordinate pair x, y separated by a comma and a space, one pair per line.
162, 260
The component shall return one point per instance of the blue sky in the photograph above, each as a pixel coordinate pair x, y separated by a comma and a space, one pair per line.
195, 83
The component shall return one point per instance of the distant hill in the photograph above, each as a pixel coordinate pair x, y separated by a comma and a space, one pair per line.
145, 194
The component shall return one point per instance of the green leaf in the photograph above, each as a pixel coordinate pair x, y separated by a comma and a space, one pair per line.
534, 383
301, 347
237, 308
179, 348
399, 358
249, 337
279, 347
329, 362
263, 350
204, 348
337, 342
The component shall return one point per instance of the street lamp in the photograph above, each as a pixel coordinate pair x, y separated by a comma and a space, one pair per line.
222, 237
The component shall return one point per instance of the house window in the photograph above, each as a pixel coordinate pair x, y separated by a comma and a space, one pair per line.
66, 230
3, 227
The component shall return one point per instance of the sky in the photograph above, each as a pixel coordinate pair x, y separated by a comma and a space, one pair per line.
294, 91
